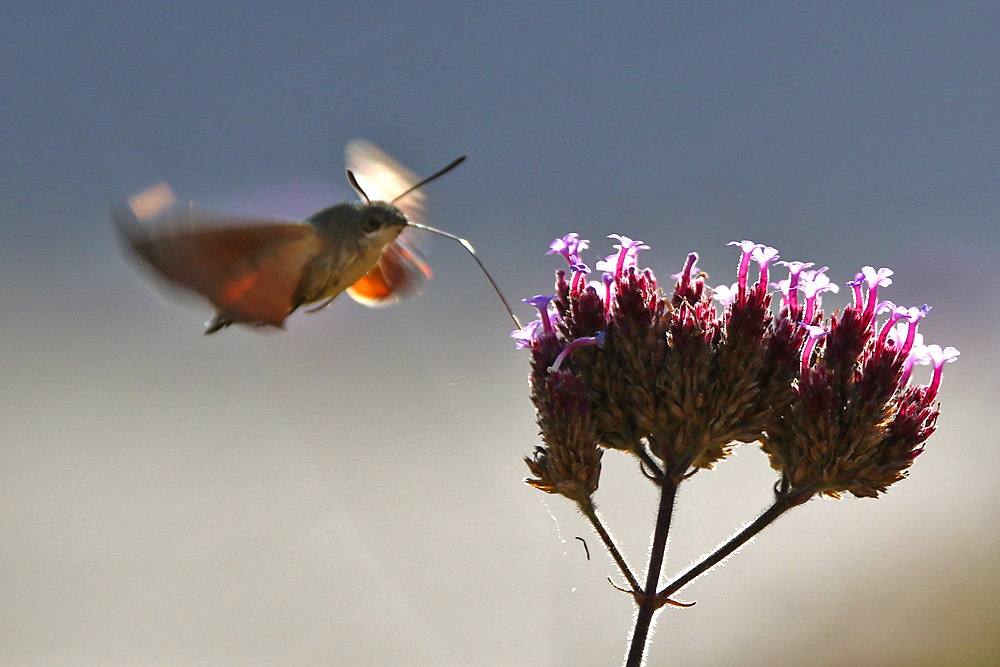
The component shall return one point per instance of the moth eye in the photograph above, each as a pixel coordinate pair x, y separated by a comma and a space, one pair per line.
370, 225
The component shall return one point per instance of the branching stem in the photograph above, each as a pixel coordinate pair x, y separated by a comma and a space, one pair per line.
782, 503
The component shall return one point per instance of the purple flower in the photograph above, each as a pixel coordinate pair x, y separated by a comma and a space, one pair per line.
815, 333
526, 336
790, 287
939, 358
689, 271
873, 279
725, 295
827, 397
628, 250
569, 247
597, 340
812, 283
763, 254
608, 280
690, 268
890, 330
933, 355
541, 302
917, 355
580, 271
747, 248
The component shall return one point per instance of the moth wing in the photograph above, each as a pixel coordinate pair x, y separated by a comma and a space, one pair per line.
248, 268
400, 273
383, 178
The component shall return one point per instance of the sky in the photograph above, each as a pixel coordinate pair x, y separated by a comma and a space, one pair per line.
349, 491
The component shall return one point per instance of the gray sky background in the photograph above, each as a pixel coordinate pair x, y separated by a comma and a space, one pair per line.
349, 491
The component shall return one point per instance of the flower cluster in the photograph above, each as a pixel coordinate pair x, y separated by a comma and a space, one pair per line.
678, 380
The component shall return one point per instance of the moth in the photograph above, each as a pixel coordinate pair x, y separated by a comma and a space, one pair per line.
257, 271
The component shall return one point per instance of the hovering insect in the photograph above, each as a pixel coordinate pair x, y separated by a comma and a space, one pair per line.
259, 271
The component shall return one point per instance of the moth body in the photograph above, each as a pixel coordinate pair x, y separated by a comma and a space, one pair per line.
256, 271
352, 236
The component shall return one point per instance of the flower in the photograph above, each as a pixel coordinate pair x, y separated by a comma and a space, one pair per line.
569, 247
789, 287
937, 357
664, 358
855, 424
628, 251
679, 379
724, 294
812, 283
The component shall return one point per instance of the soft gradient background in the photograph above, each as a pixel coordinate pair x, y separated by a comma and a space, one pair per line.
349, 491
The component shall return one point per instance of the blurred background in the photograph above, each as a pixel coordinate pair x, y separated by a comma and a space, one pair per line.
349, 491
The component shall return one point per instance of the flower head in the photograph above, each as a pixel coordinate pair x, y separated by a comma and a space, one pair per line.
679, 378
569, 463
650, 361
855, 424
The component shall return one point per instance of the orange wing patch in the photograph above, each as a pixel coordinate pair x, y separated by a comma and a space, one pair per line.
400, 273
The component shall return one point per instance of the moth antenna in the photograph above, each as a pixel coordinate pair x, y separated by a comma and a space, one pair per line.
357, 187
472, 251
441, 172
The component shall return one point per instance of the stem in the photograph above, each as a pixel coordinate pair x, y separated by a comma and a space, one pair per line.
654, 467
591, 513
782, 503
647, 599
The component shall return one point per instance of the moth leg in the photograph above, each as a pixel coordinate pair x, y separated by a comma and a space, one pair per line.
316, 309
217, 323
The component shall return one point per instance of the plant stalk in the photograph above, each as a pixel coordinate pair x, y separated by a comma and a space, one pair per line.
647, 598
782, 503
591, 513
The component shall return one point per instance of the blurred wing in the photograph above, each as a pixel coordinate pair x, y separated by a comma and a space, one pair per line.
247, 268
400, 273
383, 178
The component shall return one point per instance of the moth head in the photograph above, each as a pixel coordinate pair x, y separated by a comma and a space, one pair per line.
362, 223
380, 218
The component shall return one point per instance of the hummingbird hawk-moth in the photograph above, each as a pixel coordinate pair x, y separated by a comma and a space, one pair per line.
257, 271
